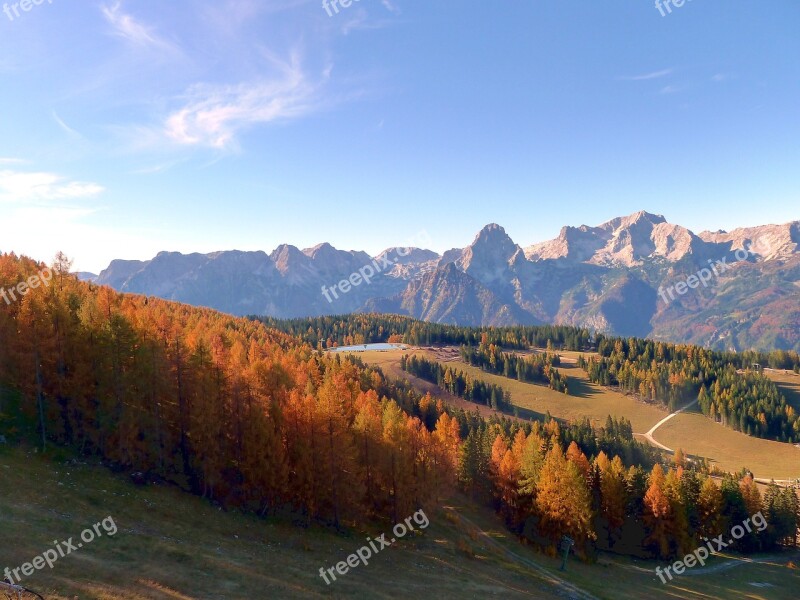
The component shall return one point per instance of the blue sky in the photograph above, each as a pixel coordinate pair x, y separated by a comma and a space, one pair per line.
131, 127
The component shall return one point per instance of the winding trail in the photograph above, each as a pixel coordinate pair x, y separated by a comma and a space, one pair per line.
571, 590
739, 561
649, 435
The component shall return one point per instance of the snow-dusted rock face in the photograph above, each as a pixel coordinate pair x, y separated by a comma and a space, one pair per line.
625, 241
768, 242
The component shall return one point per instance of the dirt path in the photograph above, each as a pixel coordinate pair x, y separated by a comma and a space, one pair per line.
649, 435
572, 591
738, 562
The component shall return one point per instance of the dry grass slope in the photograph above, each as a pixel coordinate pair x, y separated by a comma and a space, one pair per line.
171, 545
177, 547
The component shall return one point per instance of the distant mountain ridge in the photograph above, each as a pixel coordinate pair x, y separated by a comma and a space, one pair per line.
611, 277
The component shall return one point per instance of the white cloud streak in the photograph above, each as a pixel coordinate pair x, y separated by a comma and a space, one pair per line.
391, 6
37, 186
647, 76
213, 114
67, 129
127, 27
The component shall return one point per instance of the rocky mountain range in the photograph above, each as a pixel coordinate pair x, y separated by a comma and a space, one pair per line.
634, 275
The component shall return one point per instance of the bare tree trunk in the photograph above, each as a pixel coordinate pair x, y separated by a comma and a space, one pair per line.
40, 401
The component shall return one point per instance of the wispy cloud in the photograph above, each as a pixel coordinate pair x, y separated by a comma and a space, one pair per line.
127, 27
38, 186
646, 76
356, 20
669, 89
213, 114
391, 6
720, 77
157, 168
67, 129
360, 21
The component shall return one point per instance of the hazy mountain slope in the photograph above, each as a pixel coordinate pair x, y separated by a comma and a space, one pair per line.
448, 295
119, 271
614, 277
771, 241
754, 305
86, 276
287, 283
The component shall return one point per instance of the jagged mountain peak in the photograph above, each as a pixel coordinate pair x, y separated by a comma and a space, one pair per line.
326, 256
323, 249
578, 244
287, 257
287, 251
403, 255
641, 217
766, 241
492, 227
489, 257
624, 241
493, 238
450, 256
492, 233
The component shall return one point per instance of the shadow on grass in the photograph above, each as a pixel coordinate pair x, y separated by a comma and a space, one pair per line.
692, 410
525, 413
580, 388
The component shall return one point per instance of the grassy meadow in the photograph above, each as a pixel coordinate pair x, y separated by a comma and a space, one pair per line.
691, 431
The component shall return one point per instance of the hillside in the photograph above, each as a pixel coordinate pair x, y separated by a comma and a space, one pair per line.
172, 546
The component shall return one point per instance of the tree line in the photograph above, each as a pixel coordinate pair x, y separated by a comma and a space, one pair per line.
355, 329
365, 328
774, 359
670, 374
534, 368
546, 486
674, 374
457, 382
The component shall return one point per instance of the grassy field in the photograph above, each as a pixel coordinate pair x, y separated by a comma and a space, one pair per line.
728, 449
173, 546
389, 362
585, 399
694, 433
